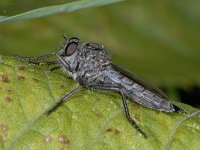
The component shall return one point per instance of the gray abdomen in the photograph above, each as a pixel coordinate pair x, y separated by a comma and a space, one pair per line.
148, 99
139, 93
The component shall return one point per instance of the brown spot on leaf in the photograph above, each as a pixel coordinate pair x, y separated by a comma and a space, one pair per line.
21, 68
9, 91
137, 117
62, 139
62, 86
98, 99
35, 80
21, 78
8, 99
3, 137
3, 127
135, 106
5, 79
99, 115
117, 132
48, 139
109, 130
157, 112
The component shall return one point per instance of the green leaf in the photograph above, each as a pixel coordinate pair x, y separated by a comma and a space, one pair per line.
52, 10
88, 120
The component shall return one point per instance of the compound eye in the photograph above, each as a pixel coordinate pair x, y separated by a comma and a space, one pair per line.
71, 46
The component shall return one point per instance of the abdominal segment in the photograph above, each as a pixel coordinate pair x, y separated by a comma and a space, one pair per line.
147, 98
144, 96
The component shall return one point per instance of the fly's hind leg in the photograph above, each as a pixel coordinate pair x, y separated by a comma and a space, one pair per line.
118, 89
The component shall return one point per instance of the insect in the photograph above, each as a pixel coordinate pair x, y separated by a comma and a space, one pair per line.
89, 65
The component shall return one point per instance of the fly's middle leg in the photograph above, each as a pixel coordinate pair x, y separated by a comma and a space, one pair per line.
46, 63
126, 110
55, 107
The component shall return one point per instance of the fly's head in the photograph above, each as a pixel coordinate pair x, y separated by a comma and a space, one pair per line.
77, 57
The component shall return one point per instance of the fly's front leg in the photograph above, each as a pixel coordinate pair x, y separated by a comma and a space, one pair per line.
55, 107
34, 58
38, 60
118, 89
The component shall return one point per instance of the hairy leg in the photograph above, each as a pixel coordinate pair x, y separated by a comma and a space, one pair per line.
55, 107
47, 63
126, 110
34, 58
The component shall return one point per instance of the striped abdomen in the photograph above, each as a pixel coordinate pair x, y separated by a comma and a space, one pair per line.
141, 93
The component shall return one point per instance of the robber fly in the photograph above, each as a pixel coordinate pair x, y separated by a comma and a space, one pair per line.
89, 65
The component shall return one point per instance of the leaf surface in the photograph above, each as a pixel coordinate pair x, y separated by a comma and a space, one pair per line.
88, 120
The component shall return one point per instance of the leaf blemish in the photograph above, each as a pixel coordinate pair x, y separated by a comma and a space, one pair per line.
62, 86
99, 115
9, 91
48, 139
35, 80
8, 99
157, 112
21, 68
135, 106
98, 99
3, 127
21, 78
5, 79
115, 131
137, 117
62, 139
109, 130
4, 137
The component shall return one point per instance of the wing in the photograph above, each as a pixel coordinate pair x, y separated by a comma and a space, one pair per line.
139, 81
